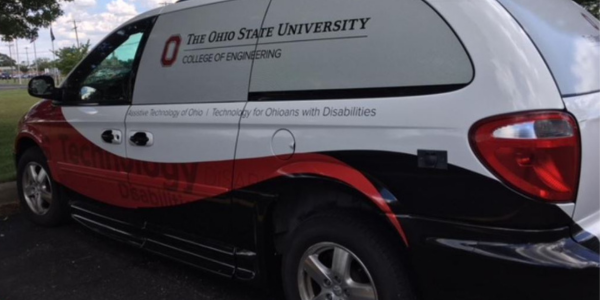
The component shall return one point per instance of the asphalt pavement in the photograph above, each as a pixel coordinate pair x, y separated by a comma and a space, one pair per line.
8, 193
72, 262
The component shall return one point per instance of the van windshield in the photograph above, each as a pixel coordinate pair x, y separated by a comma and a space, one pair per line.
568, 38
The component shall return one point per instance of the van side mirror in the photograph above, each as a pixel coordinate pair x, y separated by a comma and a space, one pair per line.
43, 87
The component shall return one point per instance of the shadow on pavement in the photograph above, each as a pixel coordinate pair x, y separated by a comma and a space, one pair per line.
71, 262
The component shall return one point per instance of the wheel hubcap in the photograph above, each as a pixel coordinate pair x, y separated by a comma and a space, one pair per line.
37, 188
329, 271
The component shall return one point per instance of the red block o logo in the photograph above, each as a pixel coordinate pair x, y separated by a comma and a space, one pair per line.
169, 55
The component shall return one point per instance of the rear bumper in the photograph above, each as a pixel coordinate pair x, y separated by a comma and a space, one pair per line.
587, 232
459, 261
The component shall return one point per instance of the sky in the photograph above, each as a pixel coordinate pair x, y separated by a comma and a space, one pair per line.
95, 19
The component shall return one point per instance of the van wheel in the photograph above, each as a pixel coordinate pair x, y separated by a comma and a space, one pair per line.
335, 256
38, 193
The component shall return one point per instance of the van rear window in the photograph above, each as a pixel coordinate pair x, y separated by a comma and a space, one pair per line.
316, 49
568, 38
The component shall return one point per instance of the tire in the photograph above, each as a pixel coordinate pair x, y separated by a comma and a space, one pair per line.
39, 195
376, 261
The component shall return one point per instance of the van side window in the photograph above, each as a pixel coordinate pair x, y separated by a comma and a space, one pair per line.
105, 76
355, 49
109, 81
568, 38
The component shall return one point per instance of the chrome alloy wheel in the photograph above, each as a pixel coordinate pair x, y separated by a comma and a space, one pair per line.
37, 188
329, 271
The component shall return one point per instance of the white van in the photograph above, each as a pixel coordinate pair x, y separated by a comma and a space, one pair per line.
349, 149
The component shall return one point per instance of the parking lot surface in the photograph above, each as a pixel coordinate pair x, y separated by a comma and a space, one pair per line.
71, 262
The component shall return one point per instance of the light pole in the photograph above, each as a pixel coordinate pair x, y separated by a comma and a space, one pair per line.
10, 45
18, 71
37, 71
27, 55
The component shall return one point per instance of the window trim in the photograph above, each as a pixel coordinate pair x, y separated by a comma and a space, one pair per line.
354, 93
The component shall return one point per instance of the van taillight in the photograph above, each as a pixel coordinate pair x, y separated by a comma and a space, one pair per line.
537, 153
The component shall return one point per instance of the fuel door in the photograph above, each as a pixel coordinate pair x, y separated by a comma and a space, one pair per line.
283, 144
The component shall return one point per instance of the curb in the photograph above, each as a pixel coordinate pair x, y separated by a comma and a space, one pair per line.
8, 193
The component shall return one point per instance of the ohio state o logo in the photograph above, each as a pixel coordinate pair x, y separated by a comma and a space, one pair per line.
169, 55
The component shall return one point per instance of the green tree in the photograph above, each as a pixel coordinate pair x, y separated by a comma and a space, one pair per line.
42, 64
593, 6
23, 68
22, 19
6, 61
69, 57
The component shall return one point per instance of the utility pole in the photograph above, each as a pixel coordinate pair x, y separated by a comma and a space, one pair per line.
76, 35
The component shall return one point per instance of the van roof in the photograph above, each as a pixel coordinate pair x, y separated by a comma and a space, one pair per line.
179, 5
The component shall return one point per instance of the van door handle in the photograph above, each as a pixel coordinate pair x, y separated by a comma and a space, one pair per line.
111, 136
142, 139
